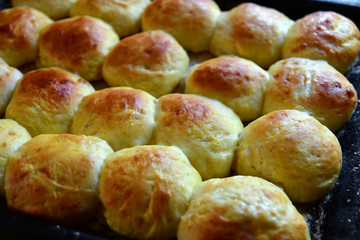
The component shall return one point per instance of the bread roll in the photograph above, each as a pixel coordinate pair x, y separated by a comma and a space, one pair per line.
251, 31
46, 100
123, 15
12, 136
152, 61
55, 176
324, 35
191, 22
146, 189
311, 86
241, 207
55, 9
78, 44
205, 129
20, 28
8, 79
124, 117
292, 150
238, 83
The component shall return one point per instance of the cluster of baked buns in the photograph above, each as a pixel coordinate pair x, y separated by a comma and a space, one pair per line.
172, 118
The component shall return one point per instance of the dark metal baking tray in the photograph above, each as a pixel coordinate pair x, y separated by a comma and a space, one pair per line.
334, 217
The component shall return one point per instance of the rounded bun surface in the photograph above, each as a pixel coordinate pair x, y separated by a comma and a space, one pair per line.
20, 28
55, 176
238, 83
205, 129
78, 44
124, 117
192, 23
241, 207
45, 100
123, 15
324, 35
294, 151
311, 86
55, 9
251, 31
9, 77
12, 136
152, 61
146, 189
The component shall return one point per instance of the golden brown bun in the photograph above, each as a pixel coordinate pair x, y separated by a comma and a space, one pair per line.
152, 61
241, 207
192, 23
146, 189
9, 77
238, 83
78, 44
55, 176
55, 9
251, 31
12, 136
312, 86
205, 129
20, 28
292, 150
324, 35
123, 15
45, 100
124, 117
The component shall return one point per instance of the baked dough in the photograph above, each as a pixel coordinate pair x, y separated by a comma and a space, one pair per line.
292, 150
146, 189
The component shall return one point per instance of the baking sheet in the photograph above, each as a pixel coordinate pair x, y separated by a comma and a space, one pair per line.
334, 217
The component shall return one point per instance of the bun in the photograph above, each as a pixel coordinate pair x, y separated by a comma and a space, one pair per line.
9, 77
205, 129
252, 32
292, 150
123, 15
241, 207
12, 136
311, 86
324, 35
238, 83
55, 176
151, 61
55, 9
46, 100
146, 189
20, 28
124, 117
192, 23
78, 44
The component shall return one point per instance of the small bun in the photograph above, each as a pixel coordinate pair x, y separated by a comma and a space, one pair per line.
324, 35
205, 129
252, 32
123, 15
192, 23
152, 61
12, 136
78, 44
45, 100
55, 176
241, 207
55, 9
124, 117
238, 83
146, 190
9, 77
312, 86
20, 28
292, 150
